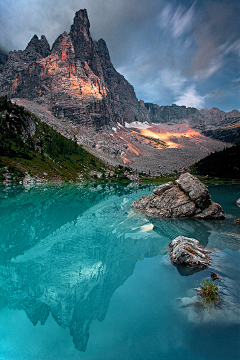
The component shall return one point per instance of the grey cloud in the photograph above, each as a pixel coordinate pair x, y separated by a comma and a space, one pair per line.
215, 27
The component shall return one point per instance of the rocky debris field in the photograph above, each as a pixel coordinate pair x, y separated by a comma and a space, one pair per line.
127, 147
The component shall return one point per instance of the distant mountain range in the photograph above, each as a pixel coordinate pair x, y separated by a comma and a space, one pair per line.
75, 83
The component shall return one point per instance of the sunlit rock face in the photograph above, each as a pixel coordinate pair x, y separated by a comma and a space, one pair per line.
75, 80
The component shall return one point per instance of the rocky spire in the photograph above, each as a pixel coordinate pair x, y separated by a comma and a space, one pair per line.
81, 37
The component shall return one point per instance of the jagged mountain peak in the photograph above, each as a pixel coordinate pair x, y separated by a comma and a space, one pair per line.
81, 25
81, 17
81, 37
41, 46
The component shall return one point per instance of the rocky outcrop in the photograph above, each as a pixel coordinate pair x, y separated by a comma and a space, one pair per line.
187, 198
188, 252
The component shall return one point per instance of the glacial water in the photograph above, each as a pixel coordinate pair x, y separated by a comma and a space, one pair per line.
83, 276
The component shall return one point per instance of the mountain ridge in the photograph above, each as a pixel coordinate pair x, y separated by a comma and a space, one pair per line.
76, 80
83, 96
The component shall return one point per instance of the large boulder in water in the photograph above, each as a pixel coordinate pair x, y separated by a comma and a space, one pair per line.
188, 197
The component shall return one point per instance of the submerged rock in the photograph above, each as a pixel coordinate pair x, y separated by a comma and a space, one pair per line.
186, 251
189, 197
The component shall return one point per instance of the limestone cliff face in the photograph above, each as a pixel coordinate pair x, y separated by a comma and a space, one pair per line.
75, 80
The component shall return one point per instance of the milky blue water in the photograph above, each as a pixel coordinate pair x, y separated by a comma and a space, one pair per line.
83, 276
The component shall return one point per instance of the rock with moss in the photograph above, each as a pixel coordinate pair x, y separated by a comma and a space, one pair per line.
188, 197
186, 251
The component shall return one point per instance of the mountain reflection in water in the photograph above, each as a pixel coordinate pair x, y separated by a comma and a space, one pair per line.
66, 249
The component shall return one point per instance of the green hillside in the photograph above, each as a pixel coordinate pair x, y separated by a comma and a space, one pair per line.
29, 145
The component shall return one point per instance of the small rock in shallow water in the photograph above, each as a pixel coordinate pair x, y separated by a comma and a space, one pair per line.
215, 276
188, 252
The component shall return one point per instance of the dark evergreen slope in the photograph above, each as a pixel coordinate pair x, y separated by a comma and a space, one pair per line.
223, 164
28, 145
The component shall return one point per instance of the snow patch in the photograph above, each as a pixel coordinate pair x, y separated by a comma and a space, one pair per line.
138, 125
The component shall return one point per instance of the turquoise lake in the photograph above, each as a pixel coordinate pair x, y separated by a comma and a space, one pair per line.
83, 276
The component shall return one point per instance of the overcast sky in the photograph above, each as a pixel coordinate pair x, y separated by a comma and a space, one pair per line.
177, 51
